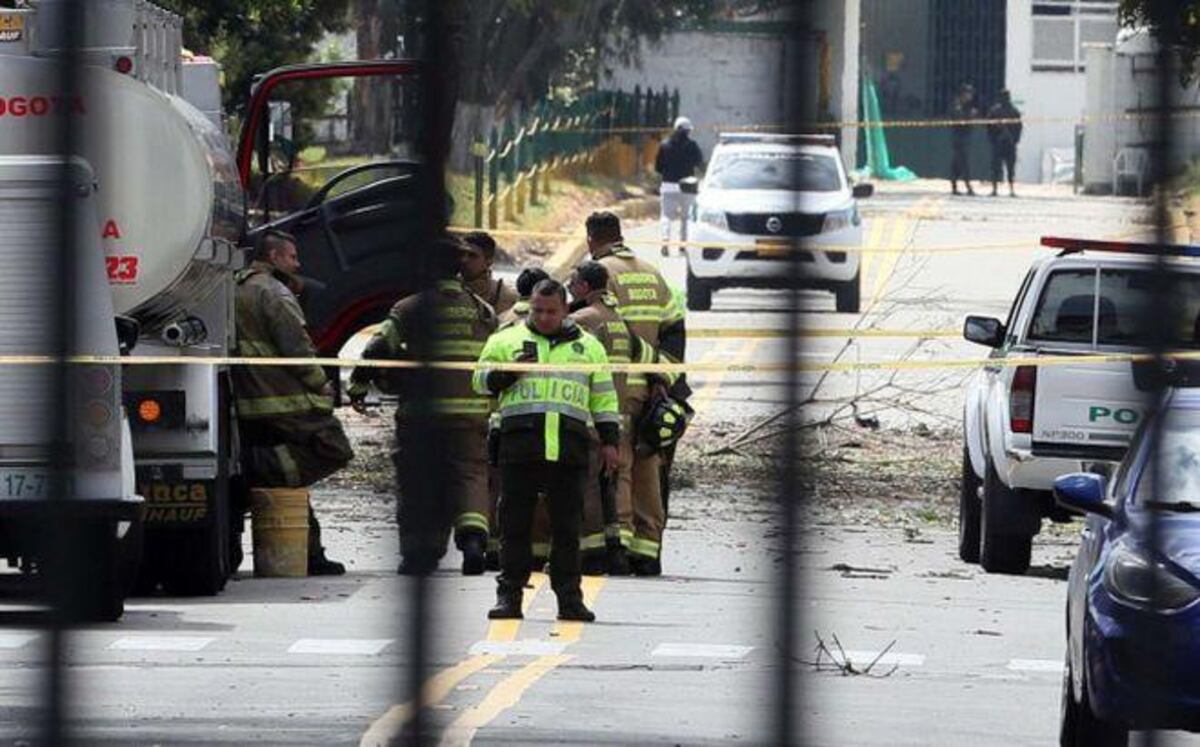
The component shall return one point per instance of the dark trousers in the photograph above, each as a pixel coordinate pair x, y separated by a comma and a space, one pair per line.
960, 165
563, 486
1004, 156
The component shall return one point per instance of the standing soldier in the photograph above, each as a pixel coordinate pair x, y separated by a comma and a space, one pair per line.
961, 112
477, 273
678, 158
455, 323
595, 310
545, 442
1003, 137
290, 437
647, 304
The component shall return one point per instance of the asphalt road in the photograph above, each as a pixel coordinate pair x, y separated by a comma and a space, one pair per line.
685, 659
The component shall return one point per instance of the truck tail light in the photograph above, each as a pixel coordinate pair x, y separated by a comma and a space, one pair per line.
123, 65
1021, 398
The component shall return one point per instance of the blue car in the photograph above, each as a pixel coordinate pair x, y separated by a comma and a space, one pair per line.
1133, 610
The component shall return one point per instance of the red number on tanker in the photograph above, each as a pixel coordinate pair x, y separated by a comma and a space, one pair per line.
122, 269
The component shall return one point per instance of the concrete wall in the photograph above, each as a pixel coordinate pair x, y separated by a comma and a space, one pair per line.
731, 79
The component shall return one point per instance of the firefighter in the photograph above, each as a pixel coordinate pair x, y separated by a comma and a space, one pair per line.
646, 302
451, 449
290, 437
528, 278
604, 544
477, 273
545, 442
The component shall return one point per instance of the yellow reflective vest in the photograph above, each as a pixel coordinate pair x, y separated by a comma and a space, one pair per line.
545, 414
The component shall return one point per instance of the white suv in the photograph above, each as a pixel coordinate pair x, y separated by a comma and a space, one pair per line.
762, 194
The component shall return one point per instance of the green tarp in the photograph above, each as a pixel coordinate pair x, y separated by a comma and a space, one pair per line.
879, 161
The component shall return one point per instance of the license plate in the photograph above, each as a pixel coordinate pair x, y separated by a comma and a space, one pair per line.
24, 483
772, 247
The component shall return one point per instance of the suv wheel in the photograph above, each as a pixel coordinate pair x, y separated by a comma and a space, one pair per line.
1001, 552
968, 511
1078, 724
699, 293
849, 295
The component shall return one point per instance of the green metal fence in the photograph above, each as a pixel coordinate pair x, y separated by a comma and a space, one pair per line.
513, 168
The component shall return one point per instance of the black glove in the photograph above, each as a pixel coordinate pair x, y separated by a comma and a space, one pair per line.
498, 381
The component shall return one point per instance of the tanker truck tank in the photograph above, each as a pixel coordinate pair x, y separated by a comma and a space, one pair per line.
169, 200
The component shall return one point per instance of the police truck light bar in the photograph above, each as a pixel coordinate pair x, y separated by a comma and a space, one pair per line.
1071, 246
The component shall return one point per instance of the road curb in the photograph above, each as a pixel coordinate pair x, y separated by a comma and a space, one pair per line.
569, 253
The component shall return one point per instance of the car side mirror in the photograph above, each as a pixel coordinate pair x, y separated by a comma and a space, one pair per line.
1082, 491
984, 330
128, 332
861, 191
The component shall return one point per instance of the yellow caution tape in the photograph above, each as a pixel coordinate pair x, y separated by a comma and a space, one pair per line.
782, 246
744, 333
1101, 118
645, 368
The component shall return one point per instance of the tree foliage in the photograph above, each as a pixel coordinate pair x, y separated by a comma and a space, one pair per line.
1174, 23
249, 37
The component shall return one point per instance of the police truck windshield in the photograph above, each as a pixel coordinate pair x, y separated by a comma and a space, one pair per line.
792, 172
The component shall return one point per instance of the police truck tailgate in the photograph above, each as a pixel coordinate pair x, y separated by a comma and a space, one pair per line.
1086, 410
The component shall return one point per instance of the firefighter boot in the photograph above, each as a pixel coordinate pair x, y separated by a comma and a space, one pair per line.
618, 560
571, 607
474, 551
508, 606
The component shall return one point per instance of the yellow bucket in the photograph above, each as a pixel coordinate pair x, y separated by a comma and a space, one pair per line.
279, 519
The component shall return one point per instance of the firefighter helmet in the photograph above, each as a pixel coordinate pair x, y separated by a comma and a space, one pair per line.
664, 423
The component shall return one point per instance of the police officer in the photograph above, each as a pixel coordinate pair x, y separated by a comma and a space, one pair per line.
595, 310
290, 437
545, 442
678, 158
454, 324
477, 272
646, 302
962, 112
1003, 137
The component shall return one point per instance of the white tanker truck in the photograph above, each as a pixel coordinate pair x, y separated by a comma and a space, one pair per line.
163, 208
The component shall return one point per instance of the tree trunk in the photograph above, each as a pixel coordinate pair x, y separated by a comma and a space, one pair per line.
371, 98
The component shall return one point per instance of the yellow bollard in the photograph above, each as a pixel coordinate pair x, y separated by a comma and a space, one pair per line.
279, 521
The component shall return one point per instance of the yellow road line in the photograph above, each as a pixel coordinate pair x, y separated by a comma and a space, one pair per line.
386, 729
874, 236
509, 691
506, 694
702, 398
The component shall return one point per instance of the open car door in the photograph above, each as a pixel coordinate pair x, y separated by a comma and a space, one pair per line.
326, 153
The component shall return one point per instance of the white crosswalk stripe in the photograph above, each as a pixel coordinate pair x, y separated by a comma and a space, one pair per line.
340, 646
1052, 666
160, 643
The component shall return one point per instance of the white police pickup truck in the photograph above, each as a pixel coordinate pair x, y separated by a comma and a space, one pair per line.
1026, 424
766, 197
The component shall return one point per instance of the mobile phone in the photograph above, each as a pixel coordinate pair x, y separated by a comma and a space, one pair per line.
529, 351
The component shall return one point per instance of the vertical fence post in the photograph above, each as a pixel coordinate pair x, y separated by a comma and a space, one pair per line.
493, 177
479, 153
510, 175
534, 159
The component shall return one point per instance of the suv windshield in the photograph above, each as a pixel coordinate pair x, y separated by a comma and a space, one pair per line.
1179, 460
793, 172
1068, 310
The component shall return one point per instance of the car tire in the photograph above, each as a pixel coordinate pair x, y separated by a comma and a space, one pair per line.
699, 293
1000, 552
849, 295
969, 509
1078, 724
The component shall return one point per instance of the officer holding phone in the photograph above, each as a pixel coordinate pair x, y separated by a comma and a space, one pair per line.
545, 442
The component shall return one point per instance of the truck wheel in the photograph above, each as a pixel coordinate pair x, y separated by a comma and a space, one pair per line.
1078, 724
1001, 552
968, 512
99, 573
199, 562
699, 293
849, 295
